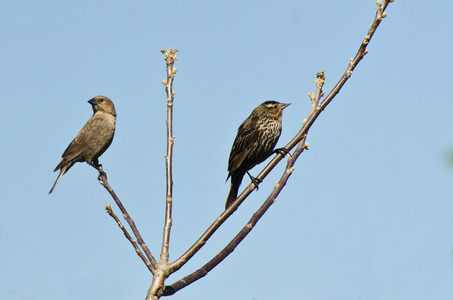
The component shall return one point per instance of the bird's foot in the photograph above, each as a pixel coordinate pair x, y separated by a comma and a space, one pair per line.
102, 173
95, 164
254, 180
283, 151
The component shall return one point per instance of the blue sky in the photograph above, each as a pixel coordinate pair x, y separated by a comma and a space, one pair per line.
367, 213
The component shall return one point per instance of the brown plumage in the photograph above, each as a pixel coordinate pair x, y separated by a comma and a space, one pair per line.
93, 139
255, 141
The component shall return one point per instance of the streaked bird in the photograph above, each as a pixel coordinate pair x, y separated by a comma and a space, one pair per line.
255, 141
93, 139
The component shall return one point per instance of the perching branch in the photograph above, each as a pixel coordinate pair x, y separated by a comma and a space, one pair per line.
299, 140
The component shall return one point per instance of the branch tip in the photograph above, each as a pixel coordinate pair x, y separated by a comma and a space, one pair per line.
170, 55
321, 75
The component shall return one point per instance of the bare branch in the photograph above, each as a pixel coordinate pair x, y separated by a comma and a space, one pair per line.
157, 287
353, 62
298, 140
170, 58
108, 209
126, 216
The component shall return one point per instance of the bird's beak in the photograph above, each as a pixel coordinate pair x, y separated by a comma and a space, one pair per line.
283, 105
92, 101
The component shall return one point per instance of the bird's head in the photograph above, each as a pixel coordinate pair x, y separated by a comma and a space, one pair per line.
102, 103
273, 108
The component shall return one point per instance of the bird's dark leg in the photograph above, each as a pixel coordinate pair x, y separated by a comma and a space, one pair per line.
255, 180
95, 163
283, 151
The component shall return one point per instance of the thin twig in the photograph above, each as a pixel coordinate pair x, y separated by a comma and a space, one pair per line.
108, 209
170, 58
126, 216
299, 140
157, 287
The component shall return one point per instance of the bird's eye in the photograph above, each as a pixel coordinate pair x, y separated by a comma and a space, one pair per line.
275, 106
101, 100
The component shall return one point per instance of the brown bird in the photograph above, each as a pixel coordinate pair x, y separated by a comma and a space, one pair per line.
93, 139
255, 141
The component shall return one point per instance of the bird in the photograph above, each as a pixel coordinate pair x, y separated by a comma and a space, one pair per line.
92, 140
254, 143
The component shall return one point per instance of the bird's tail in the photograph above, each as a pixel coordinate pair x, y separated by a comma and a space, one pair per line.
62, 171
233, 194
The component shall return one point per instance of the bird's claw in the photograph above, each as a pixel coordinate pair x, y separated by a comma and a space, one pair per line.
283, 151
255, 180
98, 167
102, 173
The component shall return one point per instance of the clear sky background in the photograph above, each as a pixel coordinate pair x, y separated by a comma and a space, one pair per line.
367, 213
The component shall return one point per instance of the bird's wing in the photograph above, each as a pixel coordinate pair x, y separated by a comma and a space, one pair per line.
247, 135
78, 144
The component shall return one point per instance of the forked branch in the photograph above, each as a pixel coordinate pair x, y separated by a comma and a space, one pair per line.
151, 264
108, 209
162, 269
